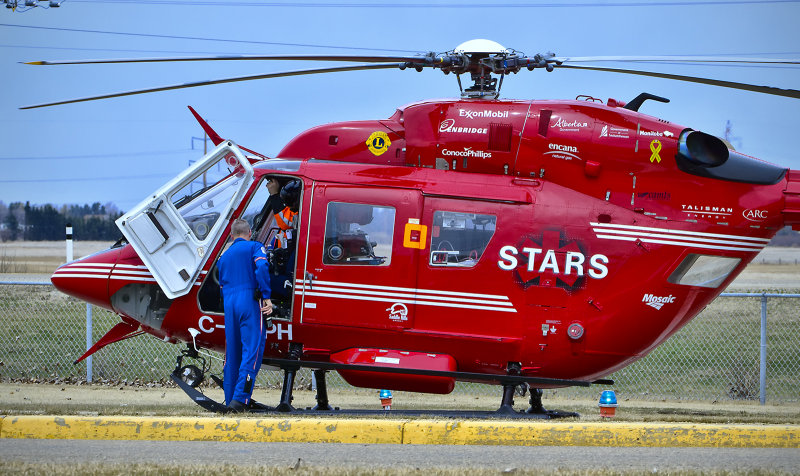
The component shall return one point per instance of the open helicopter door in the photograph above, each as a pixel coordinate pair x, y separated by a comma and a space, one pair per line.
174, 228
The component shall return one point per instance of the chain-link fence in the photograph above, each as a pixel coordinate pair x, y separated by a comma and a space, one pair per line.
717, 357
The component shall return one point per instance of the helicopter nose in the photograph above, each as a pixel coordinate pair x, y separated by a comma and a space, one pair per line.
87, 278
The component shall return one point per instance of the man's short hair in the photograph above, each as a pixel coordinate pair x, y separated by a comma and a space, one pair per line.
240, 227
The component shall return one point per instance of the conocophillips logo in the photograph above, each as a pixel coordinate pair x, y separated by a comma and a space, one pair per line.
467, 152
657, 302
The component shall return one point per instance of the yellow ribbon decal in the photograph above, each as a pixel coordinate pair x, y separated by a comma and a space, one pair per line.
655, 148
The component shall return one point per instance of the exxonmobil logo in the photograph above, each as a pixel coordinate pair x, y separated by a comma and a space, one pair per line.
657, 302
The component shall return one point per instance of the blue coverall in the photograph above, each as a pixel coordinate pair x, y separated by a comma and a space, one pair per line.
243, 268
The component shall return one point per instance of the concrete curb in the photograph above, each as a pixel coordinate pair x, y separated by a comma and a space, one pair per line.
440, 432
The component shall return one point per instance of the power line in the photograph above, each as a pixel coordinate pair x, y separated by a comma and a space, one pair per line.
101, 156
459, 5
87, 179
198, 38
118, 50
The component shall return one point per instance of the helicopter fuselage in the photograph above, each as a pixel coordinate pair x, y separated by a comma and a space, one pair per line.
563, 239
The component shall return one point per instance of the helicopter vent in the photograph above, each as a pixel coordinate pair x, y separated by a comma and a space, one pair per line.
500, 137
544, 121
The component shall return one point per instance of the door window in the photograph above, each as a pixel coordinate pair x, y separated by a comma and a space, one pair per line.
358, 234
459, 239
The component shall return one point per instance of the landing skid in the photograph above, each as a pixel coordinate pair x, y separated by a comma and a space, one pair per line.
323, 408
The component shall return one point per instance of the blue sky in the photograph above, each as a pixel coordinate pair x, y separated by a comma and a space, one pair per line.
119, 150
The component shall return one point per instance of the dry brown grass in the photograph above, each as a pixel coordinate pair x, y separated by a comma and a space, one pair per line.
97, 399
42, 257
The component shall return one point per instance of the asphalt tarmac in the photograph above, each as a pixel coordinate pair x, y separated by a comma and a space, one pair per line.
373, 456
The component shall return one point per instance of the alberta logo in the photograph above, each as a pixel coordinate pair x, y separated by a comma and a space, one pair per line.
657, 302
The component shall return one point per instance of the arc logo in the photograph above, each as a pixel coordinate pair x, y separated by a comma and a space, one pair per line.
657, 302
754, 214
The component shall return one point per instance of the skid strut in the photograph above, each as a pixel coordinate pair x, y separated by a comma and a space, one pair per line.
290, 368
322, 391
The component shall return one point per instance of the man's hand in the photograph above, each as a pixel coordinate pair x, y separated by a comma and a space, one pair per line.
266, 307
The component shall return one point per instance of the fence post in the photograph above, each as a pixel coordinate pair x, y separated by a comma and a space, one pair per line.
88, 341
69, 243
762, 370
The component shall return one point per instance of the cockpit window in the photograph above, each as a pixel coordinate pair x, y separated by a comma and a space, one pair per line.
459, 239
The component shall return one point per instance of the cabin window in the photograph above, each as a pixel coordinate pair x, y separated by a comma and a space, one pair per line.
704, 270
459, 239
358, 234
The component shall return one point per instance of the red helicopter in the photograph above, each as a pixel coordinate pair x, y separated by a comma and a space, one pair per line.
472, 239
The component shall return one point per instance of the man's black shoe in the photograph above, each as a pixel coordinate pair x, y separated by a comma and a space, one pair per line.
237, 407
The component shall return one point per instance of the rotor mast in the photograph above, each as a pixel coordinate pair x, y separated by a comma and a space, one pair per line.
482, 59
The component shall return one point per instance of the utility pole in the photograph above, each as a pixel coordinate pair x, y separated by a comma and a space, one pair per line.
205, 140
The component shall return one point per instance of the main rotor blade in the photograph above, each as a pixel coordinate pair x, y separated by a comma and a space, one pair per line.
678, 59
350, 58
790, 93
220, 81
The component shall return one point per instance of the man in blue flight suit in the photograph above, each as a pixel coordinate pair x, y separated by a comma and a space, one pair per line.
244, 280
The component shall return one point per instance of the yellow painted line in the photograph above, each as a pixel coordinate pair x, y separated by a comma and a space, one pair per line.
203, 429
364, 431
512, 433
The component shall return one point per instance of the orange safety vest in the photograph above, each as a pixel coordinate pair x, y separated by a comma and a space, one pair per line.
285, 221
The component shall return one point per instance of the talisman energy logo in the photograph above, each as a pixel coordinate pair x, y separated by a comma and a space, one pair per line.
657, 302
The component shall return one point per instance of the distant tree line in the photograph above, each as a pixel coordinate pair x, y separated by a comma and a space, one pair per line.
23, 221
